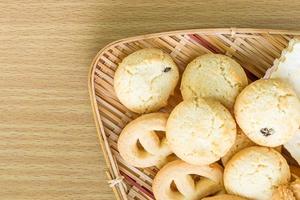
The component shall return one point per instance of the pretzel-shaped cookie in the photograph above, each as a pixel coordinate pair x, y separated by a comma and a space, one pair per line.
140, 144
176, 180
290, 191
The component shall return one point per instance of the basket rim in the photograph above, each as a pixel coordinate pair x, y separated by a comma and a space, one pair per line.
110, 162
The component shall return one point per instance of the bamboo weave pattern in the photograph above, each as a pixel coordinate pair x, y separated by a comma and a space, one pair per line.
254, 49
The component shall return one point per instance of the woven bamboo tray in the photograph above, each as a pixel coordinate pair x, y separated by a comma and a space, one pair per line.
254, 49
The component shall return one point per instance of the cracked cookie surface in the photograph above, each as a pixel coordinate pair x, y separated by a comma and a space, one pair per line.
255, 172
268, 112
214, 76
200, 131
145, 79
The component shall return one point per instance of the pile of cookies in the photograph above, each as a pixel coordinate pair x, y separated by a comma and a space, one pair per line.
222, 141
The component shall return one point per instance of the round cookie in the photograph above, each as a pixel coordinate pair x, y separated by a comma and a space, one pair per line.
268, 111
241, 142
213, 76
145, 79
255, 172
180, 180
224, 197
140, 144
200, 131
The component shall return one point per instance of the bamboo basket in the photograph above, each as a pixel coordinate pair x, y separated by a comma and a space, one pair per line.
254, 49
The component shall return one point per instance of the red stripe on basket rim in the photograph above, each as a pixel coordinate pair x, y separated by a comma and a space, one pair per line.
204, 43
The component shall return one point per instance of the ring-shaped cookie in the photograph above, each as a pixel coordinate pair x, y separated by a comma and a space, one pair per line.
142, 143
176, 180
225, 197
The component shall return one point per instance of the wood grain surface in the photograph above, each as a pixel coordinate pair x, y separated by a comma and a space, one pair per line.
48, 142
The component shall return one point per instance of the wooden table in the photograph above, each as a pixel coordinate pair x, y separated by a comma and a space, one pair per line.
48, 142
